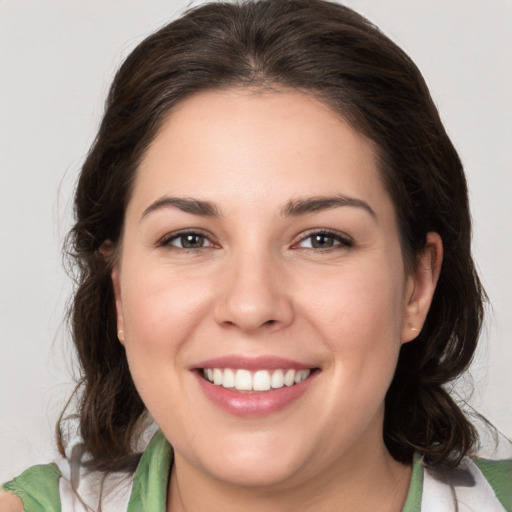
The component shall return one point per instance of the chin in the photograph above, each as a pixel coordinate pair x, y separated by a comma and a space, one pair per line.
257, 460
255, 473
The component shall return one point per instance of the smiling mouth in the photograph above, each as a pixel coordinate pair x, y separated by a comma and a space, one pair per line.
255, 381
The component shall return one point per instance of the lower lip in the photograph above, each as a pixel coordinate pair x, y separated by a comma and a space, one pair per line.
257, 403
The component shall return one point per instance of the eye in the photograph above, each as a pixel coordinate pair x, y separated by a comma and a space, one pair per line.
325, 240
187, 240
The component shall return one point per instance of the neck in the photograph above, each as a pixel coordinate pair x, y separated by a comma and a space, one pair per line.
368, 480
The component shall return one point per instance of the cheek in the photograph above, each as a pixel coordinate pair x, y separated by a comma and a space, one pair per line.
356, 300
358, 314
160, 311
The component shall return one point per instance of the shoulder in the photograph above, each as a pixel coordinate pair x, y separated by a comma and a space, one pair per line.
65, 487
10, 502
36, 489
498, 474
475, 485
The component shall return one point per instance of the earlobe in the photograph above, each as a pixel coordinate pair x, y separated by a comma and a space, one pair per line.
119, 309
421, 285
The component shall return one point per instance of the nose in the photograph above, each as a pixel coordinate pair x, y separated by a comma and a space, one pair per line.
254, 296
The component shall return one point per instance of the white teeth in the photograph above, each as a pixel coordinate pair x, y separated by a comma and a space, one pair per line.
277, 379
217, 377
228, 380
301, 375
289, 378
243, 380
261, 380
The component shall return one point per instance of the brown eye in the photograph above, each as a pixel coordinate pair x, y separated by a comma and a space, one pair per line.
192, 241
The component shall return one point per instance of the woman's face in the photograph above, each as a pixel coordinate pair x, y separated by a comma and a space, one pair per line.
261, 288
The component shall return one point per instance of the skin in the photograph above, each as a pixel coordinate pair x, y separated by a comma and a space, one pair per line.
10, 503
258, 287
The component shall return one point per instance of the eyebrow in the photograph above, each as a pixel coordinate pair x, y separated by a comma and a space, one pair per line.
293, 208
185, 204
307, 205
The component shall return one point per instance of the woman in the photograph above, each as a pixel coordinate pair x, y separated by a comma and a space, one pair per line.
273, 239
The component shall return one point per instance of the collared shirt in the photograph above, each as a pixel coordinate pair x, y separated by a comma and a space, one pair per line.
474, 486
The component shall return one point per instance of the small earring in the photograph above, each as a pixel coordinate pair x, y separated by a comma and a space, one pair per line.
120, 335
414, 329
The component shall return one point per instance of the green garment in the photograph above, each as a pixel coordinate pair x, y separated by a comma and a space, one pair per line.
38, 487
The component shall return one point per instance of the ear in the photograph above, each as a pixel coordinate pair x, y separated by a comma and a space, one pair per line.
420, 287
107, 250
119, 307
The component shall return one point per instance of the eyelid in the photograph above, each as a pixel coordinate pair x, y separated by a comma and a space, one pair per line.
165, 240
341, 237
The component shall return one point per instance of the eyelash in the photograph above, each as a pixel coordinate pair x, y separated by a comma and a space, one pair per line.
167, 239
340, 240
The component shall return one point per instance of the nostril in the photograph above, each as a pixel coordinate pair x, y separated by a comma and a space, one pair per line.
267, 323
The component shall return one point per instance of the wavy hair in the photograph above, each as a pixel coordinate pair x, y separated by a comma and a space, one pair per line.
333, 53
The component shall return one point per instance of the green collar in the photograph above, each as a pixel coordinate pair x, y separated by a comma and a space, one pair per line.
149, 491
415, 492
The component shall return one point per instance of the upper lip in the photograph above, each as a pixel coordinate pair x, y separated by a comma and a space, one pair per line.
252, 363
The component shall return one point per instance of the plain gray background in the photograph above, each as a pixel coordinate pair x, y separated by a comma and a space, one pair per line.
57, 59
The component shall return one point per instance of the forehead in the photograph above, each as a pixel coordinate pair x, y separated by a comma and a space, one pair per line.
250, 147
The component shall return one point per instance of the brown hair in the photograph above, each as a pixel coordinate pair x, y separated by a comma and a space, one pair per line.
331, 52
